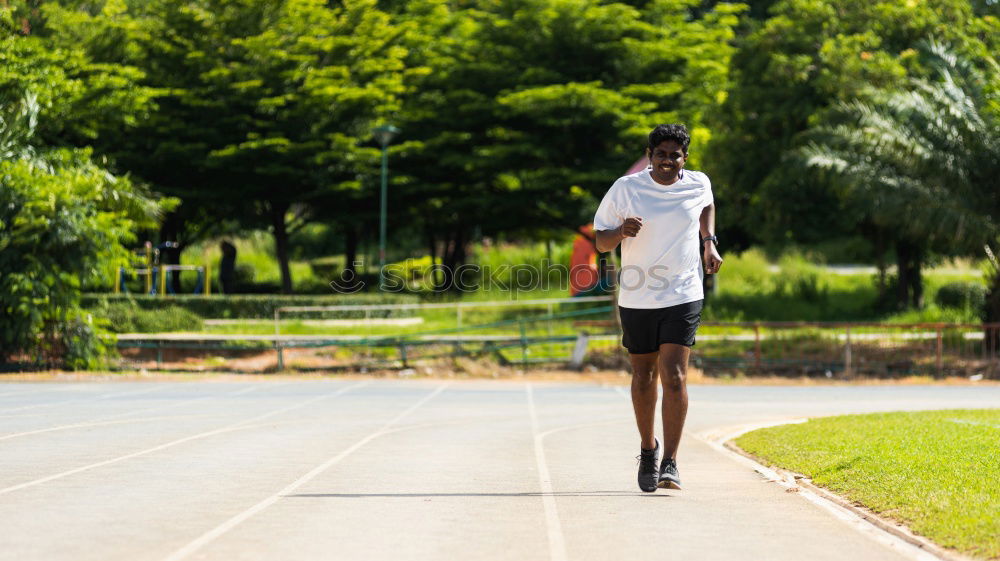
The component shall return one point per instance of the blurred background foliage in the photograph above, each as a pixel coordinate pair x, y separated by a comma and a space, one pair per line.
834, 131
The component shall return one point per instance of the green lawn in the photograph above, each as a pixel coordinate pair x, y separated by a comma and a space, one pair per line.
937, 471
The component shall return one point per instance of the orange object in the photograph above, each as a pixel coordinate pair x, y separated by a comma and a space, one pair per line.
639, 165
583, 262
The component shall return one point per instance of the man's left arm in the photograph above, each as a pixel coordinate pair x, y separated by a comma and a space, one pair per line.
713, 261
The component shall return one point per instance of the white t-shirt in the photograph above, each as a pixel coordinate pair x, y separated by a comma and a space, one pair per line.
661, 266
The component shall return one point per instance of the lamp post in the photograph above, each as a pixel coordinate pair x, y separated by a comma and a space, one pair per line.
383, 135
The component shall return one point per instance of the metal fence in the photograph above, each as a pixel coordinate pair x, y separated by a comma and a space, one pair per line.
584, 335
523, 340
371, 310
851, 349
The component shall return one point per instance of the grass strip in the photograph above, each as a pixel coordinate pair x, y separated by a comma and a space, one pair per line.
938, 472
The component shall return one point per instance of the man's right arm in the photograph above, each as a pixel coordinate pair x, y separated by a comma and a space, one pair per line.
608, 240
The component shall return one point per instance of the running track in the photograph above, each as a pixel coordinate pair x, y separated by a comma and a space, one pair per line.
404, 470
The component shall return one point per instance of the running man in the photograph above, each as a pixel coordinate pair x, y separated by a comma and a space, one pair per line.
664, 217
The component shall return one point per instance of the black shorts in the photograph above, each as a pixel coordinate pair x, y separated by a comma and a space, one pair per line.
646, 329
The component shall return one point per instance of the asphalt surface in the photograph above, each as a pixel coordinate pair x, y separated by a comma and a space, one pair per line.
401, 470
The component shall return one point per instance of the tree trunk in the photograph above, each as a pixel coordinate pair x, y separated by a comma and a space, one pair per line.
880, 264
432, 247
916, 280
227, 268
909, 259
278, 211
991, 333
903, 256
447, 258
455, 254
350, 251
169, 231
460, 254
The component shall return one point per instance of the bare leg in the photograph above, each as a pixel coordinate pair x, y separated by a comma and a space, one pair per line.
644, 394
672, 364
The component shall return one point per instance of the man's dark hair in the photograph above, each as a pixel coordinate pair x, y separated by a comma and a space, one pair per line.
677, 133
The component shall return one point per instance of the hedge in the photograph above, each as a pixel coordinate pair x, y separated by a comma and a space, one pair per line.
971, 295
127, 317
252, 306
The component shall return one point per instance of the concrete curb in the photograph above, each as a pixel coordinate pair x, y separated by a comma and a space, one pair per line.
887, 531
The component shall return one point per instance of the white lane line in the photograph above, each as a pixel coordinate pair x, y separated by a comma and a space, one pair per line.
181, 416
102, 421
97, 398
22, 416
228, 428
906, 547
228, 525
718, 437
36, 390
557, 543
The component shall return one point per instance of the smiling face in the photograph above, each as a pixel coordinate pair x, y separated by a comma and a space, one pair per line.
667, 159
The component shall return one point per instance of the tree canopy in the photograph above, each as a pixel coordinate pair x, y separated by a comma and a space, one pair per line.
920, 163
805, 57
63, 216
516, 115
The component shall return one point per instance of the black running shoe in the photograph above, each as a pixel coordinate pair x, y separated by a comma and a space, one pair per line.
647, 467
669, 478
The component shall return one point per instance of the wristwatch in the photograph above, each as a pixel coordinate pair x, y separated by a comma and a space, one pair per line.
711, 238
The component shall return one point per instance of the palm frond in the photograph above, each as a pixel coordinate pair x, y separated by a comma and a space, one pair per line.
924, 160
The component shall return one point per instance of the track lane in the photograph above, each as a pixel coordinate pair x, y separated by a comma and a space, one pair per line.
462, 480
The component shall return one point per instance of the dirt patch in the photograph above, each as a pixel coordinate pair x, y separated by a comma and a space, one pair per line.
466, 372
604, 366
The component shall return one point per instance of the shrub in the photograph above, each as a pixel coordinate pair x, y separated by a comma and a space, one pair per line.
127, 317
934, 314
326, 268
745, 273
509, 267
244, 275
800, 278
63, 221
247, 306
964, 295
81, 344
749, 288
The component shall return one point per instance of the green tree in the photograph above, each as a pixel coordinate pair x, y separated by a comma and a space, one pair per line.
922, 162
807, 56
160, 140
315, 80
533, 108
82, 101
63, 221
63, 217
261, 107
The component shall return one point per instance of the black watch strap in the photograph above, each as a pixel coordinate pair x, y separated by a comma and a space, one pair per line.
711, 238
